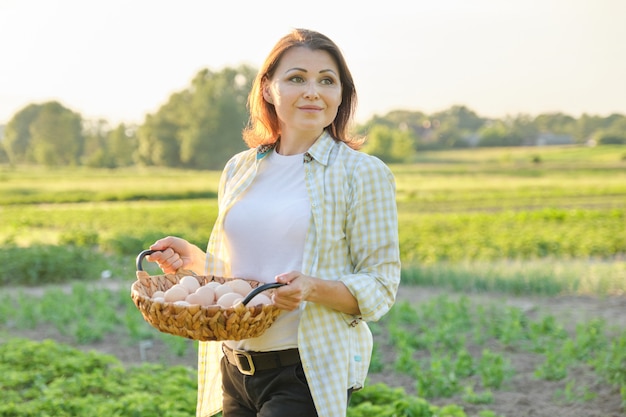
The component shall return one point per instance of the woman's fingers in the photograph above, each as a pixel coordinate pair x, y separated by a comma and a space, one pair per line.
167, 254
289, 297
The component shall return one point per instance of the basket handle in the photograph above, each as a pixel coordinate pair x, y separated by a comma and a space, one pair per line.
259, 290
147, 252
140, 257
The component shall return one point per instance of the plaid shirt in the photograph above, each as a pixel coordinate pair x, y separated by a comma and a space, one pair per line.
352, 237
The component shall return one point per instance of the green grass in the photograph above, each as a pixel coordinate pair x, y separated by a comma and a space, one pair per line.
479, 207
31, 185
608, 155
546, 277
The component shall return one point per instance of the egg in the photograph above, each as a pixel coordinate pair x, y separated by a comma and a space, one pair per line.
240, 286
176, 293
212, 284
229, 299
193, 298
158, 294
190, 283
181, 303
259, 299
205, 295
221, 290
158, 299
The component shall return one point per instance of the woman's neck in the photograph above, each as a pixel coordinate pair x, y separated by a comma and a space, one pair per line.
293, 144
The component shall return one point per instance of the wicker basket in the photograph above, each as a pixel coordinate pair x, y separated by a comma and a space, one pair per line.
197, 322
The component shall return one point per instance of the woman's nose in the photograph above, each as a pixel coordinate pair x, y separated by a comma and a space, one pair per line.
311, 91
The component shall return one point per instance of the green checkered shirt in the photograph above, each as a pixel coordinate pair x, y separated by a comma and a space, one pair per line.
352, 237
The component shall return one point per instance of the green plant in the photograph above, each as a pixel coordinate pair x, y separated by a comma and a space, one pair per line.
472, 397
379, 400
555, 366
438, 379
46, 264
51, 379
376, 363
493, 369
574, 392
488, 413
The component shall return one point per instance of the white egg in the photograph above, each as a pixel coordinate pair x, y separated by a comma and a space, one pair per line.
206, 295
190, 283
229, 299
240, 286
193, 298
176, 293
221, 290
158, 294
212, 284
259, 299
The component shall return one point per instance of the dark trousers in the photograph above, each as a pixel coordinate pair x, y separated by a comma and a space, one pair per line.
277, 392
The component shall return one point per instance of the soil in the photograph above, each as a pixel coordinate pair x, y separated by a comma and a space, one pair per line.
523, 395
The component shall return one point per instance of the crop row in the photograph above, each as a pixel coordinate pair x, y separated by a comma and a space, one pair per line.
437, 338
448, 347
52, 379
424, 237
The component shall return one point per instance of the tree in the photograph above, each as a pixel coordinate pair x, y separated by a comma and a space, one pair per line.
390, 145
49, 134
122, 145
558, 123
56, 135
17, 134
95, 148
522, 127
157, 140
586, 126
614, 132
451, 127
498, 133
609, 138
201, 126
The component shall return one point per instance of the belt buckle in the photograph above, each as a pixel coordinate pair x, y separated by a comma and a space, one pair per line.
238, 355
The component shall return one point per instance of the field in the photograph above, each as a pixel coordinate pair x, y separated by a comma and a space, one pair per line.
512, 300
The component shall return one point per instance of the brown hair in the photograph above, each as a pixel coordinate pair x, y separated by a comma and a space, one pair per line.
263, 127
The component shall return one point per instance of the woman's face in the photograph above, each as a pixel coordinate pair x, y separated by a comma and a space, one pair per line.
305, 91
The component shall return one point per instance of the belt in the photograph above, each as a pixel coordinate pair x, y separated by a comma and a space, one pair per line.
250, 362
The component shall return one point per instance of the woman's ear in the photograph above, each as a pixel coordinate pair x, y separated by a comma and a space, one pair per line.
266, 93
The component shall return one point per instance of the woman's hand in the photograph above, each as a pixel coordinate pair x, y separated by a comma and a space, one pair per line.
288, 297
300, 287
174, 253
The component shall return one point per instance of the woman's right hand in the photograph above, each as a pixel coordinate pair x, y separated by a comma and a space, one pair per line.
173, 254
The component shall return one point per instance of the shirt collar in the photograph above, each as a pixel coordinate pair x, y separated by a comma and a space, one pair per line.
320, 150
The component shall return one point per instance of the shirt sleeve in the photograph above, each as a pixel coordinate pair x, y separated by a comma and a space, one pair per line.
372, 233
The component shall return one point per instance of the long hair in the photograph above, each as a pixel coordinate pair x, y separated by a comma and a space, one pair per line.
263, 126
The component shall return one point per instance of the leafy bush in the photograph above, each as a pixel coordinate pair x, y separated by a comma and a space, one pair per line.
50, 379
379, 400
45, 264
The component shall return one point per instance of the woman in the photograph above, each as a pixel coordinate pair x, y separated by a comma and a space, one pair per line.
304, 208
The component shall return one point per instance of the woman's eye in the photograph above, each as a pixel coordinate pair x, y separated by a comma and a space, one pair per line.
328, 81
296, 79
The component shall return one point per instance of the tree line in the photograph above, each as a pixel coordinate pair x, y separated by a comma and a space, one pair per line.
200, 128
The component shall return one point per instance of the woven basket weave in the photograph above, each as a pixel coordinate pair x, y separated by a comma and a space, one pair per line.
194, 321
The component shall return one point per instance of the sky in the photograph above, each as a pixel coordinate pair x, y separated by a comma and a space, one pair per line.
121, 59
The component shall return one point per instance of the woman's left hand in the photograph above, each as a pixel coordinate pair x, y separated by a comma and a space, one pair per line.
300, 287
288, 297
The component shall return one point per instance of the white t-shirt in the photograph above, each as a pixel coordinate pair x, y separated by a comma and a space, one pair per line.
265, 233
